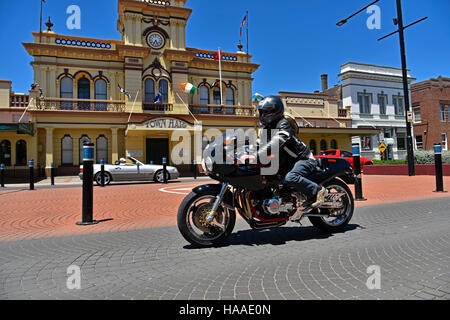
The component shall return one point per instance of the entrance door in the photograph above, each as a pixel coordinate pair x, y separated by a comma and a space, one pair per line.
156, 150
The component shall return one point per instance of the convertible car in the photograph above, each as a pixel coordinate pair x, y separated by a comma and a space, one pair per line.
132, 170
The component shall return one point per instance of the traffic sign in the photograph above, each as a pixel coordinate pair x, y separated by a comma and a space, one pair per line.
382, 147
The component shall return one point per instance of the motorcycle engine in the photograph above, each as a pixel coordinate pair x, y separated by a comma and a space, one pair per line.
277, 206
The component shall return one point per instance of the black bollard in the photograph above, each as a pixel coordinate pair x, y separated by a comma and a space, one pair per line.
357, 166
164, 161
438, 168
52, 174
88, 186
102, 172
195, 169
31, 176
2, 175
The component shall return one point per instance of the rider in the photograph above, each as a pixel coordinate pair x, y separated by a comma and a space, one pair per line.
293, 152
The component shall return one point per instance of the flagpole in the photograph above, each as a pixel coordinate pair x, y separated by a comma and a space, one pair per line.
220, 76
196, 121
132, 108
247, 35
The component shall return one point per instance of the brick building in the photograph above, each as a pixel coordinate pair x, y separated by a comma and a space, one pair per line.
431, 108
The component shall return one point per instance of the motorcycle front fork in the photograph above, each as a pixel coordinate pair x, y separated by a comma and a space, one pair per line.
211, 215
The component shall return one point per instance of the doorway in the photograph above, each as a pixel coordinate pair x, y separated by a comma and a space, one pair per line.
156, 149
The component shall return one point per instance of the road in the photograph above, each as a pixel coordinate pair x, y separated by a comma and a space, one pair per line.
409, 242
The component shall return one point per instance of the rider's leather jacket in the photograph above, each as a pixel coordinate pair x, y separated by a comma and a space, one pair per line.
291, 149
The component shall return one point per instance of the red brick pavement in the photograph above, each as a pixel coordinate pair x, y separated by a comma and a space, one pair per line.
53, 212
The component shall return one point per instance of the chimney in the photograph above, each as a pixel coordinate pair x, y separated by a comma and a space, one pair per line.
324, 78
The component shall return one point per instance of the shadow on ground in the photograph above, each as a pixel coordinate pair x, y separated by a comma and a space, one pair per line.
277, 236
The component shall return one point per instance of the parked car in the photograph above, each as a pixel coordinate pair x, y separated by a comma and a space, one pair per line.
347, 155
132, 170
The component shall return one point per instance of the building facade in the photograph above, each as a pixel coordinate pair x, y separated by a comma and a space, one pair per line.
431, 111
374, 96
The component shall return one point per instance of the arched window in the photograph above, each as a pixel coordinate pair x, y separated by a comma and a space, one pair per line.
82, 140
5, 152
313, 147
66, 92
164, 90
149, 89
84, 92
67, 150
216, 96
333, 144
323, 145
102, 149
21, 153
204, 95
100, 94
230, 97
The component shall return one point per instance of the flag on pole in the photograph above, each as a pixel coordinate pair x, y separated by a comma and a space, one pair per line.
158, 98
188, 88
218, 56
124, 92
243, 23
258, 97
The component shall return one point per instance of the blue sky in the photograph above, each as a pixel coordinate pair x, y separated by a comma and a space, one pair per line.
293, 41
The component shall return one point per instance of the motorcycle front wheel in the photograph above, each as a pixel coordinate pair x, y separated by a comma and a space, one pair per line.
193, 225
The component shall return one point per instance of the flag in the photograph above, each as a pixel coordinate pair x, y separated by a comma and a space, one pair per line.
188, 88
158, 98
124, 92
243, 23
218, 55
258, 97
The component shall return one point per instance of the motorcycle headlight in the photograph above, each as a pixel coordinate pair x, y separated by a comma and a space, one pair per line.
208, 164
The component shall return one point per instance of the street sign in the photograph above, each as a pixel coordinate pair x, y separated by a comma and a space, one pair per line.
382, 147
410, 116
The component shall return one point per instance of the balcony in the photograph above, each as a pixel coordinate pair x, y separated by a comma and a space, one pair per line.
147, 106
209, 109
80, 104
19, 100
342, 113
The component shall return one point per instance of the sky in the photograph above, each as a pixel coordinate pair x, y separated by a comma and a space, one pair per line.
294, 42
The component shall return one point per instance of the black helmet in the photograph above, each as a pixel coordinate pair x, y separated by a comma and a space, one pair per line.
270, 109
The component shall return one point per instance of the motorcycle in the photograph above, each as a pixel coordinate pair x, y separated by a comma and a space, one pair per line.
207, 216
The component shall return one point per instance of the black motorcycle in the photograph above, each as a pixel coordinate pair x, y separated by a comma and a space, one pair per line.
207, 216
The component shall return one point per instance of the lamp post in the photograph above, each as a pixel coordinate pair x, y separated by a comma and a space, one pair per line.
399, 21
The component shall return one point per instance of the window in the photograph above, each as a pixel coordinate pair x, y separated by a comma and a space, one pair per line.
365, 101
21, 153
312, 147
102, 149
417, 115
84, 92
323, 145
164, 90
442, 114
5, 152
67, 150
230, 97
204, 95
382, 101
444, 141
366, 143
419, 142
149, 89
82, 140
399, 106
329, 153
346, 154
401, 140
100, 94
216, 96
66, 92
333, 144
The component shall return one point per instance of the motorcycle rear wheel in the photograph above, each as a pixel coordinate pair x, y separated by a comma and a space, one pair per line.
192, 225
335, 224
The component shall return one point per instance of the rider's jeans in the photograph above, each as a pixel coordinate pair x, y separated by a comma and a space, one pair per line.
296, 178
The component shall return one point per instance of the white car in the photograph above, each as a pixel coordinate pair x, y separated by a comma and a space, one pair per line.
134, 170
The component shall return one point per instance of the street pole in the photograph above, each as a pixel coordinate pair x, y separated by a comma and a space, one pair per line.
409, 142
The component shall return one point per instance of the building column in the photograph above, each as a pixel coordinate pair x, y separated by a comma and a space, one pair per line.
48, 150
114, 145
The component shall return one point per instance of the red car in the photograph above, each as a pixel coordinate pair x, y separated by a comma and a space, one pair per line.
347, 155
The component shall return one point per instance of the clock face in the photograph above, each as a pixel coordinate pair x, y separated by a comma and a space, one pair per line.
155, 40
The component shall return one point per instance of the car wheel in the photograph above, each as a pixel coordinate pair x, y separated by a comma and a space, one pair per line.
159, 177
98, 178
